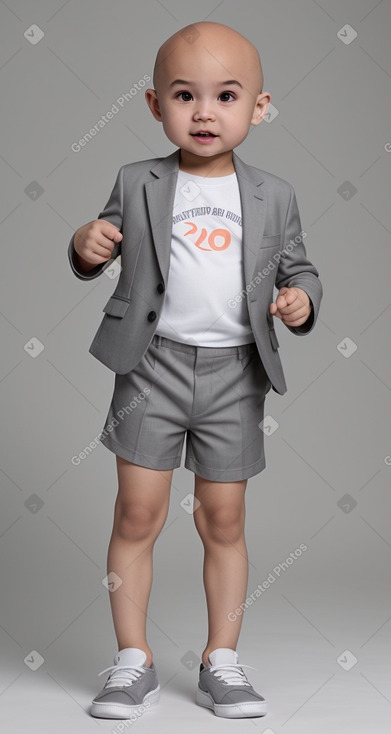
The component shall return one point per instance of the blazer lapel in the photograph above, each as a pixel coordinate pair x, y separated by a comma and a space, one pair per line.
160, 201
252, 196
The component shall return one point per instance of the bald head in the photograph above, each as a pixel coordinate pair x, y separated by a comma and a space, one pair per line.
205, 43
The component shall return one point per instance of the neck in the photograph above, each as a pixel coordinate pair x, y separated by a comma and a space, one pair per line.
218, 165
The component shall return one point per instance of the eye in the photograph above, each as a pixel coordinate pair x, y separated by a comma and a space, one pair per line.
226, 94
184, 94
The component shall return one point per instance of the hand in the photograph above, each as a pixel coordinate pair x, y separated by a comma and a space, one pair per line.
94, 242
292, 306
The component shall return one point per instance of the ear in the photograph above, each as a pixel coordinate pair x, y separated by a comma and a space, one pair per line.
153, 103
262, 104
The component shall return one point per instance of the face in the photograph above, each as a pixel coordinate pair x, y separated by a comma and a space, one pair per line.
201, 92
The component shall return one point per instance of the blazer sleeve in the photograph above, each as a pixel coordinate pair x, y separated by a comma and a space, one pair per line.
112, 212
295, 269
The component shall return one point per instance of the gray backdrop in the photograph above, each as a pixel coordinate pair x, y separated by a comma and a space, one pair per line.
319, 636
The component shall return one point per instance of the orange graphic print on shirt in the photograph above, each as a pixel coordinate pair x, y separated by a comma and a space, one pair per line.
218, 239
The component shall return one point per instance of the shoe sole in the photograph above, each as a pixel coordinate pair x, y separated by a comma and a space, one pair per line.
122, 711
247, 709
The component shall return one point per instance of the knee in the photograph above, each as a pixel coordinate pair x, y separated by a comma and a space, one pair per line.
136, 522
223, 525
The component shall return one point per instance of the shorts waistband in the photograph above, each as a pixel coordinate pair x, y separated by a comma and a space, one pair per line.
240, 350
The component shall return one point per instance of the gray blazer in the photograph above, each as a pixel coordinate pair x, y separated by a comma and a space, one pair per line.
141, 206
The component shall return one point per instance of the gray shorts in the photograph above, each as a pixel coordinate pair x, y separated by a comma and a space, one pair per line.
213, 395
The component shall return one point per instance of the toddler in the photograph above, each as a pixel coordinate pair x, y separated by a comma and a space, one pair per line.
204, 238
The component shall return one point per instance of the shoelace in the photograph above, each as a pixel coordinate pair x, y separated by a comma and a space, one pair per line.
231, 674
132, 674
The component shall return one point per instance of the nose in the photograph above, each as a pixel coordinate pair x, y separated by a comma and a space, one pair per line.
204, 111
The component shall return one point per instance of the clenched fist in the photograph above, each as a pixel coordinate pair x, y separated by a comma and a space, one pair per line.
94, 242
292, 306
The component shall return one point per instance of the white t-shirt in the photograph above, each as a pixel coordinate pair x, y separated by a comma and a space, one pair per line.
206, 265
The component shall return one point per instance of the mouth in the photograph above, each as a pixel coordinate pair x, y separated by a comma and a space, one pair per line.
204, 137
203, 134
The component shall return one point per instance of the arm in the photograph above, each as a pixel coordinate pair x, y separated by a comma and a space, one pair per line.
112, 212
295, 270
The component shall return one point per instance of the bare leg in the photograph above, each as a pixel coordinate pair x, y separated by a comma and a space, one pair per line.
220, 523
140, 512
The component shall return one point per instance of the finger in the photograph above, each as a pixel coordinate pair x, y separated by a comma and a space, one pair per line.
278, 314
94, 259
109, 230
298, 322
289, 308
103, 242
290, 296
97, 249
100, 253
300, 313
302, 296
281, 301
287, 296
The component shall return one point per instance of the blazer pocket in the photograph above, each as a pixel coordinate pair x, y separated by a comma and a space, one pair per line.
117, 306
271, 240
273, 339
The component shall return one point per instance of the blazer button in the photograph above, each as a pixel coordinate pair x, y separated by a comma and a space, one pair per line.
160, 288
152, 316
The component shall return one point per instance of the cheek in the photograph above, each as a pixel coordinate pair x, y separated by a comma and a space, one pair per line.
174, 117
238, 125
238, 118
